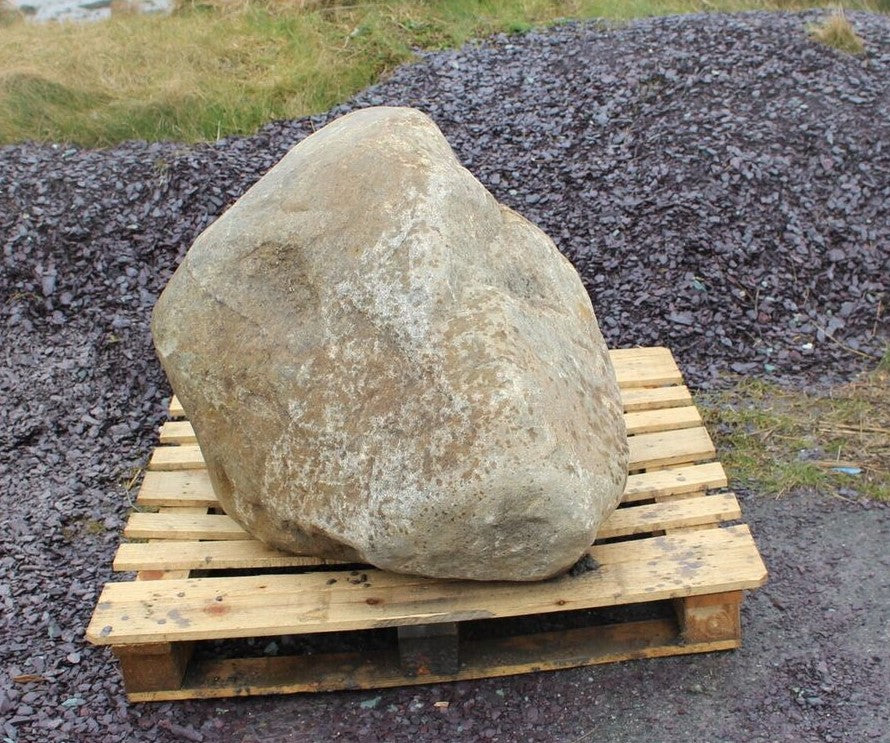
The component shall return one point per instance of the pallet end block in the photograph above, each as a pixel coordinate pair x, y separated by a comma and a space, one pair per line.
710, 618
153, 666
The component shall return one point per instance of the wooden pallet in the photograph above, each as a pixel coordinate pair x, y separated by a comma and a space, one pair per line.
663, 544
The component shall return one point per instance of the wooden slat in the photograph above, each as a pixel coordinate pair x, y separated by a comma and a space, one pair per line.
674, 480
250, 553
667, 419
182, 488
192, 487
177, 432
695, 512
645, 367
172, 458
488, 658
222, 555
182, 526
646, 450
670, 447
653, 398
642, 421
692, 563
634, 367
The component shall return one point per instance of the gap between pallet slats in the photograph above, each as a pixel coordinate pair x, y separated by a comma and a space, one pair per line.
489, 658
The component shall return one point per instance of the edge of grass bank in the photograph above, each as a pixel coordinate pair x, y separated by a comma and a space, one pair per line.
219, 67
775, 439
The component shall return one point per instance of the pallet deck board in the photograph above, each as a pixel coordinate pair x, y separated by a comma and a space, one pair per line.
648, 378
193, 488
640, 421
693, 478
669, 540
165, 528
645, 367
654, 449
691, 563
655, 398
666, 419
176, 488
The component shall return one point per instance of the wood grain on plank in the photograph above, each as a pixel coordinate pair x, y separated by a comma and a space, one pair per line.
646, 450
706, 561
193, 488
177, 488
669, 447
691, 478
173, 458
218, 555
182, 526
177, 432
653, 398
639, 421
634, 368
666, 419
224, 550
645, 367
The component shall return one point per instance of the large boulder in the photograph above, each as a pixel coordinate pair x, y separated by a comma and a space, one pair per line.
383, 364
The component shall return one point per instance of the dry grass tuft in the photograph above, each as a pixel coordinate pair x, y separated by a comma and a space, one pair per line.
836, 31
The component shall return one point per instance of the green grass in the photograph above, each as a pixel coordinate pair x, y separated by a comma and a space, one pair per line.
773, 439
209, 71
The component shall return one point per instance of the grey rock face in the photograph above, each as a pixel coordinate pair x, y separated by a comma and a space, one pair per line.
382, 363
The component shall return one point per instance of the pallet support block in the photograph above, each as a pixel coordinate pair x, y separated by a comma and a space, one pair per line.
429, 649
153, 666
710, 618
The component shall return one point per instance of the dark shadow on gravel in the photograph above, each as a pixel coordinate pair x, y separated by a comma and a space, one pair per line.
721, 183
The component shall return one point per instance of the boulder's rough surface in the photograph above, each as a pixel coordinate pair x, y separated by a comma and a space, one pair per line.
382, 363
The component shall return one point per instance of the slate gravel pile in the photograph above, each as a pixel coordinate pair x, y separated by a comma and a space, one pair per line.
720, 182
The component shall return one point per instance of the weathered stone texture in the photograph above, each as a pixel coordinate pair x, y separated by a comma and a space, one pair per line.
382, 363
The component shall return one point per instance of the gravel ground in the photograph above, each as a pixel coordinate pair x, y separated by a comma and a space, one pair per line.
720, 182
